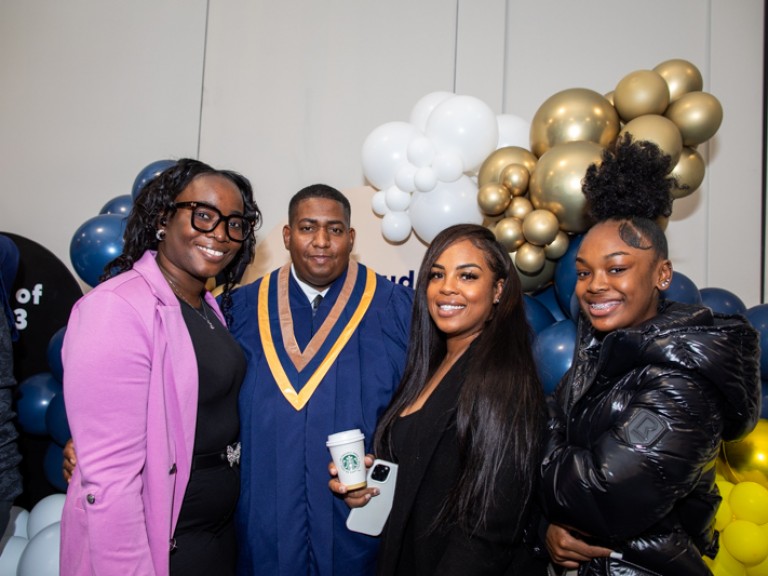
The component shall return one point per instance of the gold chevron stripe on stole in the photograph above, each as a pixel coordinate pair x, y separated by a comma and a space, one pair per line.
299, 399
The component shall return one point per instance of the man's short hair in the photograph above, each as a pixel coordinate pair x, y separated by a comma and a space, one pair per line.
319, 191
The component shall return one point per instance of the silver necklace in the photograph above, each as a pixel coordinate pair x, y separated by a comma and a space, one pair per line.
177, 291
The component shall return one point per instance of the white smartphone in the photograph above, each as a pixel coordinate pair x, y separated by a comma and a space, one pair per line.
370, 519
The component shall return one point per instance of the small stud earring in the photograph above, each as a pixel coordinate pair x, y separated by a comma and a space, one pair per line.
160, 235
496, 301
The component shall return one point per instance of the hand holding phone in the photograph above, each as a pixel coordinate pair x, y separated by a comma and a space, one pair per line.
371, 518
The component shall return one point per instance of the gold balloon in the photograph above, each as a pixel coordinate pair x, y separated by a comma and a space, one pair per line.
663, 222
698, 115
688, 172
681, 77
533, 282
558, 247
639, 93
747, 460
659, 130
509, 232
540, 227
519, 208
577, 114
556, 183
515, 178
530, 258
490, 170
493, 198
609, 97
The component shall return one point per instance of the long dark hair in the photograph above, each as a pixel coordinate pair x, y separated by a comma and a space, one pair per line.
156, 201
501, 412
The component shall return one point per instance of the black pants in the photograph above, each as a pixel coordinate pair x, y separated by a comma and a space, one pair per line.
205, 533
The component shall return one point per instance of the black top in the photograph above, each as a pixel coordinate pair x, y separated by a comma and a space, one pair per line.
425, 446
221, 369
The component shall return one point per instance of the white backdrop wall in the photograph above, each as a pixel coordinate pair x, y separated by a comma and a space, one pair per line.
287, 92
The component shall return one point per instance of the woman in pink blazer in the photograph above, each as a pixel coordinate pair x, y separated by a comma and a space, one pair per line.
151, 378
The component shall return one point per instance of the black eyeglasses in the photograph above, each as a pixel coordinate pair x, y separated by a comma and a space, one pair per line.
205, 218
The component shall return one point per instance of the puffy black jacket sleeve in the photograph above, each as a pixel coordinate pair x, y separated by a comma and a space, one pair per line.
618, 481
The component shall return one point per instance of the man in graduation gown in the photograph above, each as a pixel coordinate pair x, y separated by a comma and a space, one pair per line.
315, 367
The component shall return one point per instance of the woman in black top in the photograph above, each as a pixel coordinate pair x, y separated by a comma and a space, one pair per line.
466, 423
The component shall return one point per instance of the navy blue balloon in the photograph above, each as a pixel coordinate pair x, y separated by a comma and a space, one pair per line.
758, 317
148, 173
53, 354
682, 289
52, 467
118, 205
722, 301
97, 242
56, 420
34, 396
565, 274
764, 406
553, 352
549, 299
539, 317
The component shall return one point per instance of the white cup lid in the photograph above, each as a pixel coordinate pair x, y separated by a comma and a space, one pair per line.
344, 437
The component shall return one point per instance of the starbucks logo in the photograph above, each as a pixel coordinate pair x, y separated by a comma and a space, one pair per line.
350, 462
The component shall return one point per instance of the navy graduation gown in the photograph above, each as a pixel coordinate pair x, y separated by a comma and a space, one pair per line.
289, 523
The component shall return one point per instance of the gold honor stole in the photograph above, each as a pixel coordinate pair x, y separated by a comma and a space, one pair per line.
312, 364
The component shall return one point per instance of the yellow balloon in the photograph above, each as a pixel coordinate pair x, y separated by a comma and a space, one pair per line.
639, 93
577, 114
493, 198
745, 542
724, 515
558, 247
747, 460
609, 97
556, 183
519, 208
688, 173
540, 227
697, 115
758, 569
530, 258
515, 178
491, 169
657, 129
533, 282
725, 487
749, 501
726, 565
509, 231
681, 77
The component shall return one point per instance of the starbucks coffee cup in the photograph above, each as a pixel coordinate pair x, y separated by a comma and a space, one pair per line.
348, 453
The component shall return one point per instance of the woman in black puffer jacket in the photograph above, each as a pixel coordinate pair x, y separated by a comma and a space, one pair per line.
636, 424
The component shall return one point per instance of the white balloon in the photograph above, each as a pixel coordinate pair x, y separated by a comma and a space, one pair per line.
379, 203
46, 512
404, 177
397, 200
425, 179
17, 525
448, 166
420, 151
396, 226
11, 554
384, 150
41, 555
513, 131
448, 204
466, 125
424, 107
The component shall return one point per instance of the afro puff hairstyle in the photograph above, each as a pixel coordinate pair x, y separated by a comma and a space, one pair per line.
630, 182
632, 185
